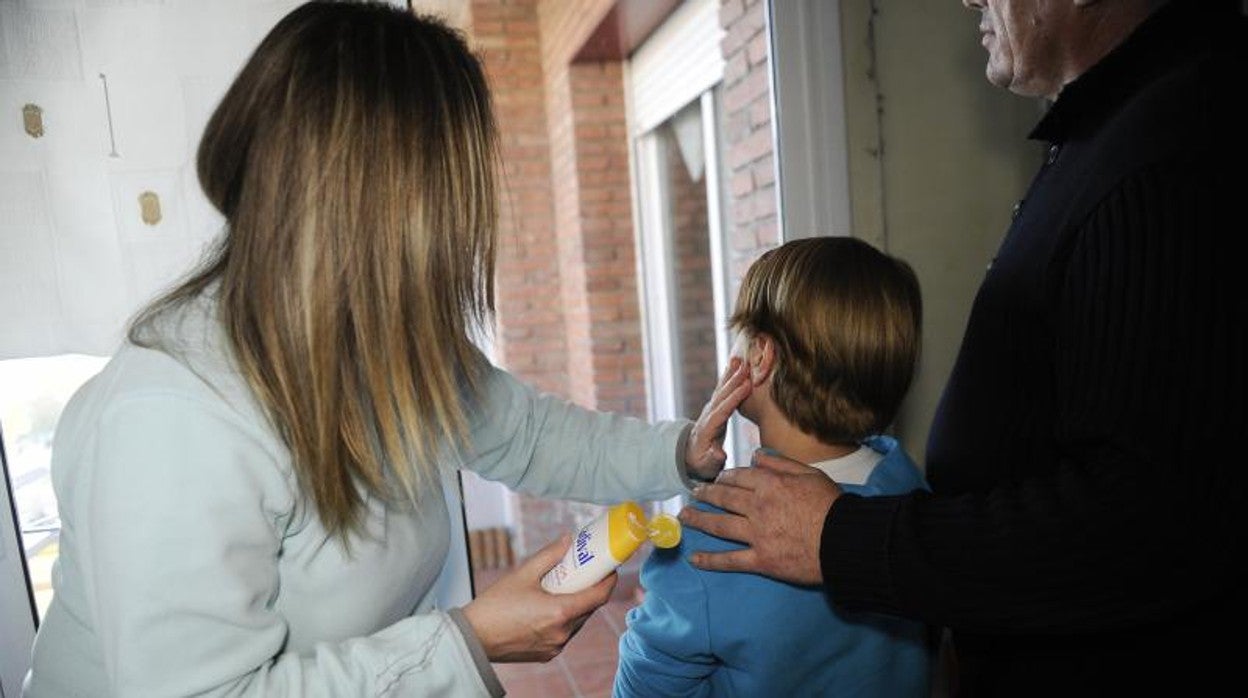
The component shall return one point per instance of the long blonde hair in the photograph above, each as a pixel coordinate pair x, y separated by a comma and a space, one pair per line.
354, 161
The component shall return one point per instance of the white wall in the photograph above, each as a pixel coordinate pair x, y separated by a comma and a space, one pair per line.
898, 124
75, 258
486, 504
938, 157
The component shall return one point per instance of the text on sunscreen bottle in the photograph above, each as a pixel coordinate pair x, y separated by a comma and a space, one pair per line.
605, 543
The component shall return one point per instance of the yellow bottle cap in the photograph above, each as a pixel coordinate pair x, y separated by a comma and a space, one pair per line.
626, 529
664, 531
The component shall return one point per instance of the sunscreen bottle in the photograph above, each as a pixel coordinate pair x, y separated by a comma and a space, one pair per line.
605, 543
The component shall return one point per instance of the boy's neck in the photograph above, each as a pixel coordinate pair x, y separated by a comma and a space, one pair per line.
777, 433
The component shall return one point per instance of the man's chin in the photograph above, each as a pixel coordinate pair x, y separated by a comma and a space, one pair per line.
1006, 80
999, 77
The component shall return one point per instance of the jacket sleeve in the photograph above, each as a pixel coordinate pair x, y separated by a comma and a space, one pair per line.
545, 446
666, 650
1139, 516
181, 553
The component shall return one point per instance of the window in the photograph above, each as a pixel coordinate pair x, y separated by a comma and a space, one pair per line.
33, 393
681, 259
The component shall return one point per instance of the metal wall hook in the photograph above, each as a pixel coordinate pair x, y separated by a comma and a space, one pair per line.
108, 110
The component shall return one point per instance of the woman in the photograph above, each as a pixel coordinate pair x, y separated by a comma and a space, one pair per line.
250, 490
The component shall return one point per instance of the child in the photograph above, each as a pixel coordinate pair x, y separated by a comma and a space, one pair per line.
830, 330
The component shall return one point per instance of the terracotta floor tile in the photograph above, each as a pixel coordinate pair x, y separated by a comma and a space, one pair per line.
595, 642
539, 688
614, 614
528, 670
593, 678
536, 680
586, 669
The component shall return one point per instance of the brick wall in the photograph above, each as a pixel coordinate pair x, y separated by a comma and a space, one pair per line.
568, 315
751, 225
750, 221
600, 239
593, 211
531, 337
567, 293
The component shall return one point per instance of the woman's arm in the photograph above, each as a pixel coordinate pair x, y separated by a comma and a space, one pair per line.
543, 445
546, 446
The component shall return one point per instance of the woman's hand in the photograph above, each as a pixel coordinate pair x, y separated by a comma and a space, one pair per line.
705, 456
517, 621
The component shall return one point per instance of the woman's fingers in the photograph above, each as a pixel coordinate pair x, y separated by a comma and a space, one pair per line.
705, 455
518, 621
582, 603
543, 560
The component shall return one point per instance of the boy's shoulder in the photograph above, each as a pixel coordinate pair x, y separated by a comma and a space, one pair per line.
895, 474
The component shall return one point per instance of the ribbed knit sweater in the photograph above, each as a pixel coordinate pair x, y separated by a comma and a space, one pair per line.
1086, 526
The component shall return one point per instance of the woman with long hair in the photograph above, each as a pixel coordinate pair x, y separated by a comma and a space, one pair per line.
251, 490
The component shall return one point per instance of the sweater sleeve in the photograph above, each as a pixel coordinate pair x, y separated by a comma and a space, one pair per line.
1140, 513
178, 519
542, 445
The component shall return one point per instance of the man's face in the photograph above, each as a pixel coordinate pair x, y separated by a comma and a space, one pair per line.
1024, 39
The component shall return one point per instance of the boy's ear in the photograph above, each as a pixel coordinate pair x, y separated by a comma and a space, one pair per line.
762, 358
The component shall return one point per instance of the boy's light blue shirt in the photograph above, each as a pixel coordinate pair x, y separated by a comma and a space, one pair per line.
704, 633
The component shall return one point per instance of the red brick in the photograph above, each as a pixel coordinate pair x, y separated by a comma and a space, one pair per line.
730, 11
744, 28
764, 203
764, 171
752, 86
760, 112
736, 67
755, 146
742, 184
758, 49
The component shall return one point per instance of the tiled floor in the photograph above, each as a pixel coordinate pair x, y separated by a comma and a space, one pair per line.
586, 668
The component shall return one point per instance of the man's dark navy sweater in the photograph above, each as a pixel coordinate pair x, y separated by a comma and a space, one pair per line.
1086, 528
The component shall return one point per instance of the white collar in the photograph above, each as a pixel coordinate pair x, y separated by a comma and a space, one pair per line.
853, 468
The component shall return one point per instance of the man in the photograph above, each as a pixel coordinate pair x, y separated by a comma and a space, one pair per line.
1085, 532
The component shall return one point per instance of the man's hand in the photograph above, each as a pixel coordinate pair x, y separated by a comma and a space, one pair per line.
517, 621
705, 456
777, 508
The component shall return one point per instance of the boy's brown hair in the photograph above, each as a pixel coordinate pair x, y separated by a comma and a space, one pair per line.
846, 321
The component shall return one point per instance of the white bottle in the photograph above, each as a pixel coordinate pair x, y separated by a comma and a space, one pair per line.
605, 543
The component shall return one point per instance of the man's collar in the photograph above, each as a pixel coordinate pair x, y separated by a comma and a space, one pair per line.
1178, 30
